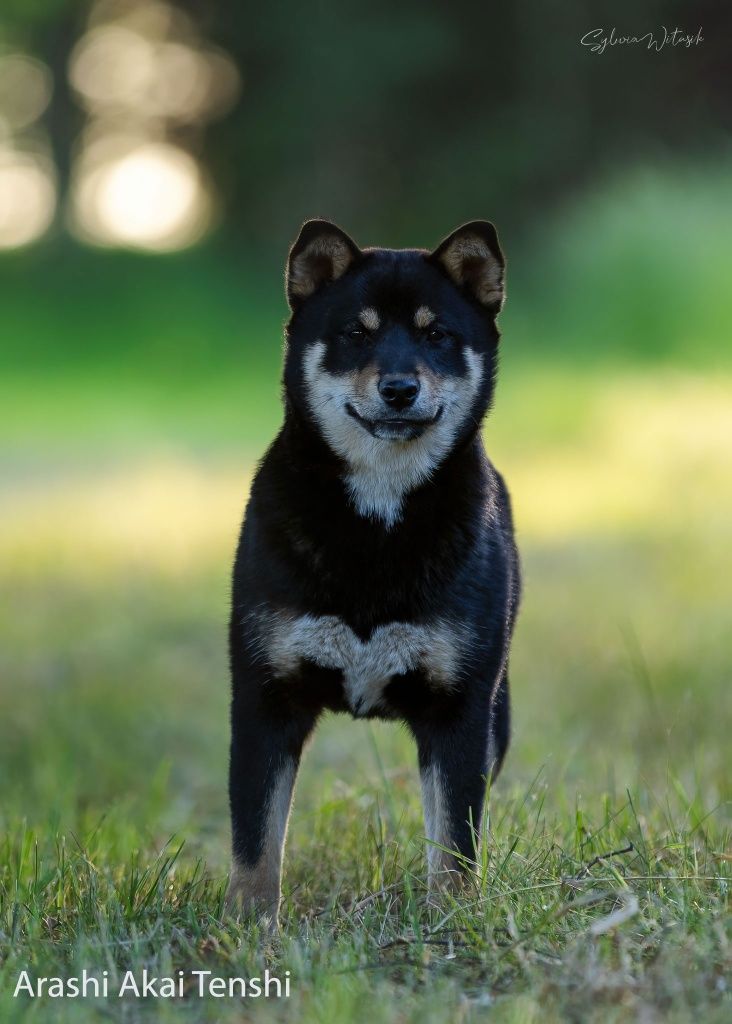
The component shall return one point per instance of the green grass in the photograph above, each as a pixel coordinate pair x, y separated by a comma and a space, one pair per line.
545, 931
113, 735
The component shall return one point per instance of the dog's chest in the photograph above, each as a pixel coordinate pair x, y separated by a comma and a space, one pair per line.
367, 665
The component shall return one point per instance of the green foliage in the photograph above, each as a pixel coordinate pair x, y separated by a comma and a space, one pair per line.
114, 345
636, 270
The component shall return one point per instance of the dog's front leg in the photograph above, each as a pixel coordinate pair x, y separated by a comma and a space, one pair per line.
266, 744
454, 763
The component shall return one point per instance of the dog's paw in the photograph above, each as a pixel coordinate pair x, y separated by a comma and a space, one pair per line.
252, 904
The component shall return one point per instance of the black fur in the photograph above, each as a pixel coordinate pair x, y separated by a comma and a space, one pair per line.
305, 548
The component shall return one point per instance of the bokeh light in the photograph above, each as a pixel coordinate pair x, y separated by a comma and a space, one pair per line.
27, 198
27, 178
25, 90
117, 67
144, 76
142, 194
111, 66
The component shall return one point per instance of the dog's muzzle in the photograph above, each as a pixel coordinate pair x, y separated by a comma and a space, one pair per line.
395, 428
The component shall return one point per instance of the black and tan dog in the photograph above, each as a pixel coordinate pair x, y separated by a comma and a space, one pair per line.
376, 572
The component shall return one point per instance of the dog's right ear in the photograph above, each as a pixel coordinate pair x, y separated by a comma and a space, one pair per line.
320, 255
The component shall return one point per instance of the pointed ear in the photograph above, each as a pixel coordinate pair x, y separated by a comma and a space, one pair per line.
320, 255
472, 258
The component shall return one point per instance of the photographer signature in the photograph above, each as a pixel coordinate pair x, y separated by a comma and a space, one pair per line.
598, 39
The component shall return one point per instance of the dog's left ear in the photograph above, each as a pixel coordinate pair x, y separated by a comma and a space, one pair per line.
321, 254
473, 259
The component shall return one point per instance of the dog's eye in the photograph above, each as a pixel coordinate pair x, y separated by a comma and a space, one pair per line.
355, 333
436, 334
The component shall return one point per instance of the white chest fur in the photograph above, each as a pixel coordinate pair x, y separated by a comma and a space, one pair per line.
367, 665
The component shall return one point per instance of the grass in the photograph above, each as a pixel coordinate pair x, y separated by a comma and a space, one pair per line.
547, 931
113, 735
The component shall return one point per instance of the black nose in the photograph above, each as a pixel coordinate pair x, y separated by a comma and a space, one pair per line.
398, 391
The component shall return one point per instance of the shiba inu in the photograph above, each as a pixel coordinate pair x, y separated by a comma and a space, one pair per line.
376, 571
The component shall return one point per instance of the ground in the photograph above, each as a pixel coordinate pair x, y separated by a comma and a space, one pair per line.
603, 890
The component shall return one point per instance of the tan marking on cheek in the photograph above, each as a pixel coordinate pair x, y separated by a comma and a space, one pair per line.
431, 382
365, 382
423, 317
369, 318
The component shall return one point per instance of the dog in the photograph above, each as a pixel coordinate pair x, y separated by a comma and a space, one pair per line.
376, 572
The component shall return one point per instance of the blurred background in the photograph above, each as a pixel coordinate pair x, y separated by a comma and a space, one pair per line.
156, 159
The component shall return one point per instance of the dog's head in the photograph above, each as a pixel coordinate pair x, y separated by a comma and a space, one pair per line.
391, 354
